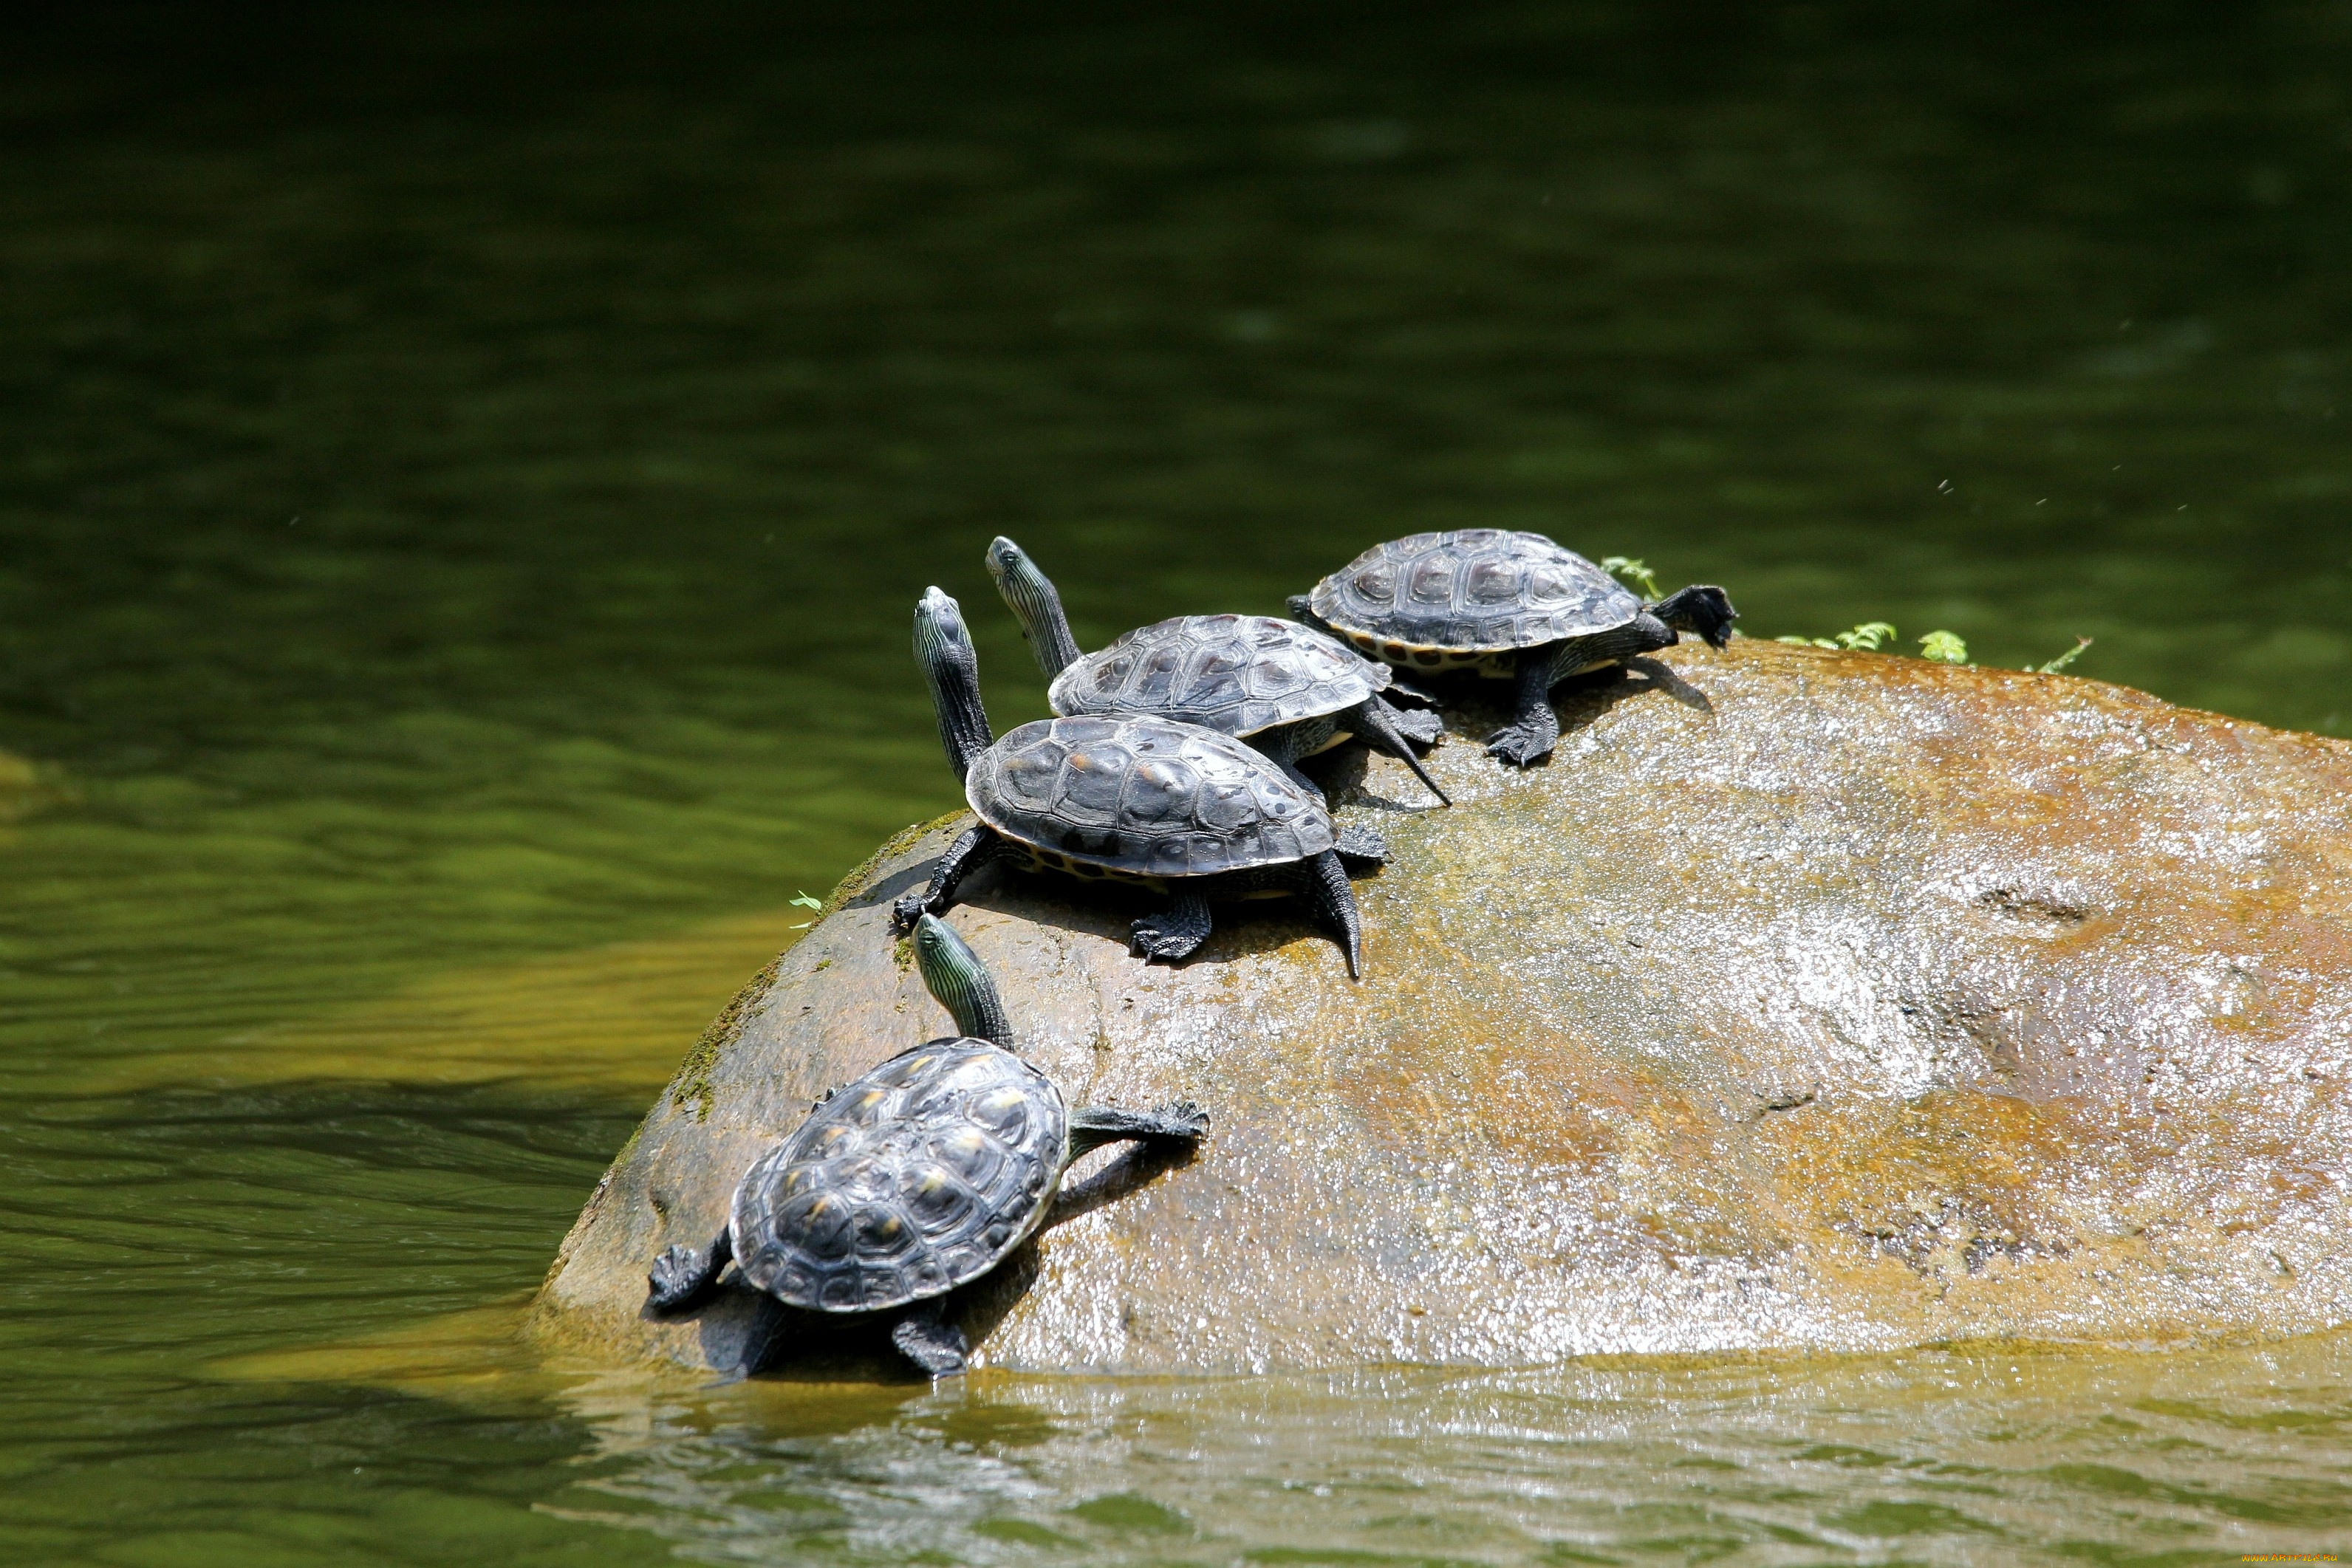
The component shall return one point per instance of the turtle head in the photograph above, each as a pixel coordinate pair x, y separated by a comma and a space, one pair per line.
1030, 595
943, 648
960, 982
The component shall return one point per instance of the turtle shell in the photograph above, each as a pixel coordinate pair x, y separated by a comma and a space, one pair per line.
1234, 673
1472, 590
905, 1183
1146, 795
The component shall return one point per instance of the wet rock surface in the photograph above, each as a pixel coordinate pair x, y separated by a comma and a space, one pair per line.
1806, 999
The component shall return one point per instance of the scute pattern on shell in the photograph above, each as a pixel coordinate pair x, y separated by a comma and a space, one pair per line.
907, 1182
1236, 674
1471, 590
1146, 795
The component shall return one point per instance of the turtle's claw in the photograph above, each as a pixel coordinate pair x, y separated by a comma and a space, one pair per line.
1151, 942
1361, 848
1519, 746
1420, 725
676, 1277
909, 908
1174, 932
1185, 1118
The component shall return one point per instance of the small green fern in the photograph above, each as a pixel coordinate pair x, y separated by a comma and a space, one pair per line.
1944, 647
1636, 572
1872, 636
1869, 637
805, 902
2063, 660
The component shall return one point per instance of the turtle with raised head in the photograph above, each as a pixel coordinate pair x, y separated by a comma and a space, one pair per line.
1512, 606
1185, 812
918, 1177
1287, 689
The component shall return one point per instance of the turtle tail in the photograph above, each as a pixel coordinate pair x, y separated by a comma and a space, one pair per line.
1335, 901
1371, 722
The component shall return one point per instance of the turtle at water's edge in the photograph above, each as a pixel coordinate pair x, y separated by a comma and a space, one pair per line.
1509, 605
1289, 690
915, 1178
1182, 810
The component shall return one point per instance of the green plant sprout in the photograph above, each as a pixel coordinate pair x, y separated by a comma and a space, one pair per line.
1871, 636
804, 902
2063, 660
1636, 572
1944, 647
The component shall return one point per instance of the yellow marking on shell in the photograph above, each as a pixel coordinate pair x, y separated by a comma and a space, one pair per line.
871, 1097
931, 1183
887, 1228
1042, 859
822, 1206
920, 1063
1003, 1097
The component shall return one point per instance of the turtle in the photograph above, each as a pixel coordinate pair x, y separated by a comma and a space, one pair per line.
1183, 810
915, 1178
1287, 689
1508, 605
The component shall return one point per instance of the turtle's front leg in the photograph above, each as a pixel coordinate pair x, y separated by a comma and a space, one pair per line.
681, 1274
1176, 931
1370, 720
1534, 728
975, 847
925, 1337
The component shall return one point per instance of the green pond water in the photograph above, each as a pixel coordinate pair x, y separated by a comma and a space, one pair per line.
465, 475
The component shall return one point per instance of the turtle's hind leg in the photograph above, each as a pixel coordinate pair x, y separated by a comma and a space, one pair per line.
1323, 882
1371, 719
681, 1275
1178, 1122
1422, 726
1176, 931
975, 847
925, 1337
1360, 849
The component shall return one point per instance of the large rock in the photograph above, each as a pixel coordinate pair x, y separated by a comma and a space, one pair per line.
1805, 1000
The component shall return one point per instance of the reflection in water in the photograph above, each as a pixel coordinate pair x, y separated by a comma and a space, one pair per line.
1995, 1452
469, 477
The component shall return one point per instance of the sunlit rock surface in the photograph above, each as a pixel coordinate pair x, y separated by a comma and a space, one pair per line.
1806, 999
